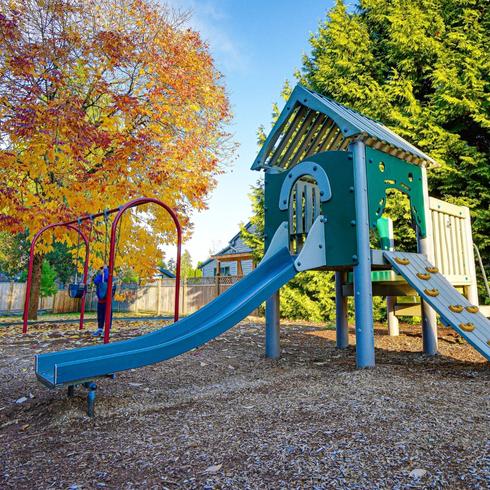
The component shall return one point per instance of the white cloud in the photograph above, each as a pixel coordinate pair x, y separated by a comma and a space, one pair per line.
208, 19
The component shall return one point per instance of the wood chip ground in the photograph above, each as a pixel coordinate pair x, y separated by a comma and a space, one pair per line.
223, 416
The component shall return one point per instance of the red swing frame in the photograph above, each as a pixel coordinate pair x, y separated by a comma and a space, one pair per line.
31, 265
112, 256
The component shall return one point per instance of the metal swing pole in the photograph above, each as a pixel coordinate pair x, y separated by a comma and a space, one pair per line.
112, 257
31, 266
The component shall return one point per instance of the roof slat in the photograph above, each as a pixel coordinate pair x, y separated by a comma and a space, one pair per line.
314, 128
297, 138
289, 132
322, 124
327, 126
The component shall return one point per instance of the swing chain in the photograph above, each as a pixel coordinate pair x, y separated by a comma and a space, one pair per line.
119, 233
106, 220
79, 221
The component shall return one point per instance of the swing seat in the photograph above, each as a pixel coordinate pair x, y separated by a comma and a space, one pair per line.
77, 290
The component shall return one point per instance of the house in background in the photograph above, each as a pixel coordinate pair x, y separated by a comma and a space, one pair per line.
164, 273
234, 260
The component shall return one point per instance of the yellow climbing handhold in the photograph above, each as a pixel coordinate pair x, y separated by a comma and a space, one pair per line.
488, 342
402, 260
456, 308
431, 292
467, 327
432, 270
424, 277
472, 309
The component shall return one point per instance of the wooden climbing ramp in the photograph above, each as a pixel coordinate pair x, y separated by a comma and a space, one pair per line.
454, 309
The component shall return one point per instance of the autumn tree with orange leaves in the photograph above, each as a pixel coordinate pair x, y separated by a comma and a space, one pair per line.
101, 102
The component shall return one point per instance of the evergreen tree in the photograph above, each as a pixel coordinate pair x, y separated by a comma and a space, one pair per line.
422, 68
186, 268
48, 280
61, 260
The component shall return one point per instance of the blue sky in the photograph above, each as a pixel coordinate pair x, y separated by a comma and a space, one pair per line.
256, 45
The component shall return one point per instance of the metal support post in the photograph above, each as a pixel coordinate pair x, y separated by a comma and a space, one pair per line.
92, 388
342, 326
393, 324
363, 294
272, 328
425, 246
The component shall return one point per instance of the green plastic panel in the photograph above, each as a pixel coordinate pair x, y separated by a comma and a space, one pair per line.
383, 227
387, 172
376, 276
340, 229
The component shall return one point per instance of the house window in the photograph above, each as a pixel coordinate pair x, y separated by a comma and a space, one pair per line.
224, 270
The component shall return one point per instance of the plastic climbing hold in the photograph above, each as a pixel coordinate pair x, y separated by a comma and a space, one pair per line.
424, 277
467, 327
488, 342
432, 270
432, 292
456, 308
472, 309
402, 260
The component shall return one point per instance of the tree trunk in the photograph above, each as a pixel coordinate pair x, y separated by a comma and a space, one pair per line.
35, 287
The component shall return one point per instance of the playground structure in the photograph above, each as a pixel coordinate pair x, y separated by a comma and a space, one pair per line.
328, 168
81, 289
327, 172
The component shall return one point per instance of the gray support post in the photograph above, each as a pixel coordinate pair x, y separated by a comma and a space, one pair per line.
426, 246
342, 326
472, 293
92, 387
272, 328
363, 292
393, 324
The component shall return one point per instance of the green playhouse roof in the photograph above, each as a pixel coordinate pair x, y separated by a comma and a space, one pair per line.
311, 123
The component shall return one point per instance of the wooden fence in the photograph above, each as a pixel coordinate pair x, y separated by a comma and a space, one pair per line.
157, 297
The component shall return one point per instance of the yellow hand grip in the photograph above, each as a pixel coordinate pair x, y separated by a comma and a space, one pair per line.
456, 308
472, 309
424, 277
402, 261
431, 292
467, 327
432, 270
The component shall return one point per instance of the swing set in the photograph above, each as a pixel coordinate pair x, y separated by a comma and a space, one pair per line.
79, 289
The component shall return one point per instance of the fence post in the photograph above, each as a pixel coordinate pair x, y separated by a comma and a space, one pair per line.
159, 293
10, 299
136, 303
55, 297
183, 309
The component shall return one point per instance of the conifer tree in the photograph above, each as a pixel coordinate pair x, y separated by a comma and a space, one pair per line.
422, 68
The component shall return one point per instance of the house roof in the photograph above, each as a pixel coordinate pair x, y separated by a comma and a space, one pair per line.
230, 248
205, 263
311, 123
166, 272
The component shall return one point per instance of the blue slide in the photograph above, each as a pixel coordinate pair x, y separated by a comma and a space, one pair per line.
81, 365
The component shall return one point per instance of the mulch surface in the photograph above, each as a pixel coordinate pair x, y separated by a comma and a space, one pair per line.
223, 416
